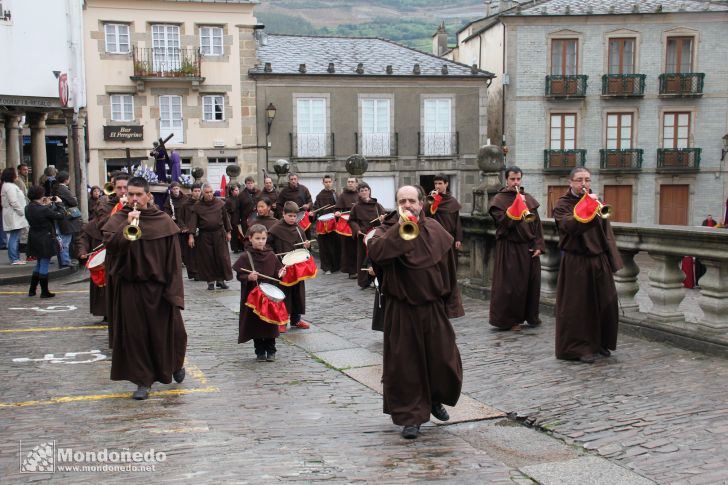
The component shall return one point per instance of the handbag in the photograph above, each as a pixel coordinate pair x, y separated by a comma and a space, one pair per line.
73, 212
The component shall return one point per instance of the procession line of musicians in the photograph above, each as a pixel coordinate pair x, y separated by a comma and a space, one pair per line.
410, 253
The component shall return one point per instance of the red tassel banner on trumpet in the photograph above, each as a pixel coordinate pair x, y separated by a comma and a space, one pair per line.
586, 209
518, 208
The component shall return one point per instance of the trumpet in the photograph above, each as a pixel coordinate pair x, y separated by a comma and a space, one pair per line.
431, 197
528, 216
132, 231
108, 189
408, 230
604, 211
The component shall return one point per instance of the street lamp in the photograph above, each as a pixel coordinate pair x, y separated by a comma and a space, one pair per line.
724, 150
270, 114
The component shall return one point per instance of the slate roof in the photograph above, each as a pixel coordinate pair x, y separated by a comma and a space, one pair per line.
611, 7
286, 53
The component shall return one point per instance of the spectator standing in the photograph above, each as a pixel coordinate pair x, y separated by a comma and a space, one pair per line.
42, 214
13, 204
69, 226
22, 180
96, 197
49, 180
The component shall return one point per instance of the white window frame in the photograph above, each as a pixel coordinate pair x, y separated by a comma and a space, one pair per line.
616, 123
376, 132
209, 103
115, 31
311, 133
680, 136
562, 137
166, 48
437, 130
214, 35
125, 104
170, 124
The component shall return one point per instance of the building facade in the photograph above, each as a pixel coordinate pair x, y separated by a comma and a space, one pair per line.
636, 92
410, 114
166, 67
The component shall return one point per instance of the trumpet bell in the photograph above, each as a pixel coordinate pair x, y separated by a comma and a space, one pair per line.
605, 211
431, 197
132, 232
108, 189
529, 217
408, 230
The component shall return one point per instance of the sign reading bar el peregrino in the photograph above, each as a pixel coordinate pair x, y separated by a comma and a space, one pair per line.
123, 133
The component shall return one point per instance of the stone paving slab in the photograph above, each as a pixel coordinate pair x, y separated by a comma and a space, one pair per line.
317, 341
587, 470
348, 358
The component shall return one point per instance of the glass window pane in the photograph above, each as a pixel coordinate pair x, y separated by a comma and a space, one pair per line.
570, 57
628, 57
669, 120
671, 59
611, 133
556, 57
683, 119
686, 55
570, 121
612, 120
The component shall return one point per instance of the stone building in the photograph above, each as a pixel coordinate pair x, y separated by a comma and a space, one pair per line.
635, 91
411, 114
157, 67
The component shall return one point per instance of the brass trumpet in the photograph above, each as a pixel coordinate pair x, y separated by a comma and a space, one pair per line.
605, 211
108, 189
408, 230
132, 231
528, 216
431, 197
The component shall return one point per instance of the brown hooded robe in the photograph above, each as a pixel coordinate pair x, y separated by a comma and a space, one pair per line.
360, 220
211, 247
328, 244
284, 237
347, 200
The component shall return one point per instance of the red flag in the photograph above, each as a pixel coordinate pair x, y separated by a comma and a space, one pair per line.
586, 209
223, 186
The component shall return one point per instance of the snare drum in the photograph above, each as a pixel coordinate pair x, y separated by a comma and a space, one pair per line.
342, 226
300, 266
369, 235
304, 220
95, 265
326, 223
266, 301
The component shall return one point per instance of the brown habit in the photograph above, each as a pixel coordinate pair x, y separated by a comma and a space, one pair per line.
329, 250
587, 308
284, 237
211, 248
360, 220
421, 360
448, 215
516, 285
188, 253
149, 334
250, 326
239, 227
346, 201
89, 239
178, 216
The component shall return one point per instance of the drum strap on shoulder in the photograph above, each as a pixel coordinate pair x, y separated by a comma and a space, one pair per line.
250, 258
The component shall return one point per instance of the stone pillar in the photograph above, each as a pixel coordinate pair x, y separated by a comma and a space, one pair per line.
3, 149
626, 281
39, 156
77, 158
714, 297
666, 290
14, 139
550, 262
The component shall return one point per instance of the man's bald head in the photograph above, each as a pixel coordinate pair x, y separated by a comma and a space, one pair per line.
411, 199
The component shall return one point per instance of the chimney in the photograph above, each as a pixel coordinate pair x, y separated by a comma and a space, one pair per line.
439, 40
488, 8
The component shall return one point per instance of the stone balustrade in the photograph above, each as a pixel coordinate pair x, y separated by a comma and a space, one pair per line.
665, 245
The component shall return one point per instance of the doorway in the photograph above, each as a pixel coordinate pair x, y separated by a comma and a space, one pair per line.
674, 204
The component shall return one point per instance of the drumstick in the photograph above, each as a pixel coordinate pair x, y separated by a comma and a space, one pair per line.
259, 275
322, 208
304, 242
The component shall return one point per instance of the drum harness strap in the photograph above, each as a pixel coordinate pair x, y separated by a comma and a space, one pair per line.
252, 266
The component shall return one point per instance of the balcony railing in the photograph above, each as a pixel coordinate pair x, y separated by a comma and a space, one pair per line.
623, 85
682, 84
438, 144
312, 145
563, 160
167, 63
377, 144
623, 160
678, 159
566, 86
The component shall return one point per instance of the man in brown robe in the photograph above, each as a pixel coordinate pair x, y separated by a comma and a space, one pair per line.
587, 308
422, 366
150, 340
189, 254
271, 192
213, 257
348, 197
173, 208
239, 226
328, 244
366, 214
446, 211
248, 197
285, 235
90, 239
516, 285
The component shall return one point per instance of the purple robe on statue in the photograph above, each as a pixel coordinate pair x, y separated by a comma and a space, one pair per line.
175, 166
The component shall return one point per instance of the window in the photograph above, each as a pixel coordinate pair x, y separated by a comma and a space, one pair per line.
213, 108
563, 132
211, 41
122, 107
311, 127
166, 55
438, 126
675, 130
170, 118
621, 56
375, 127
679, 55
619, 131
117, 38
564, 57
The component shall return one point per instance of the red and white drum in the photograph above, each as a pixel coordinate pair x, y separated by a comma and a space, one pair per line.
300, 266
342, 226
95, 265
304, 220
266, 301
325, 224
368, 236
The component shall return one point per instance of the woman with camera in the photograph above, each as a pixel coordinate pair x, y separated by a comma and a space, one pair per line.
42, 213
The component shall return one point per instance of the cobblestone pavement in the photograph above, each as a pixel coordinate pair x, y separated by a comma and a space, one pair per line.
659, 411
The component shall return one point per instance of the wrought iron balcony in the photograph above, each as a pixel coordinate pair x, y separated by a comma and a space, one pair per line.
619, 85
377, 144
566, 86
678, 159
563, 160
166, 63
312, 145
682, 84
623, 160
438, 144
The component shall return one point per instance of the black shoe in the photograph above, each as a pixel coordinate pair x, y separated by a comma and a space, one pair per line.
270, 357
587, 359
141, 393
44, 292
439, 411
222, 285
211, 286
410, 432
605, 352
260, 358
34, 280
179, 375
